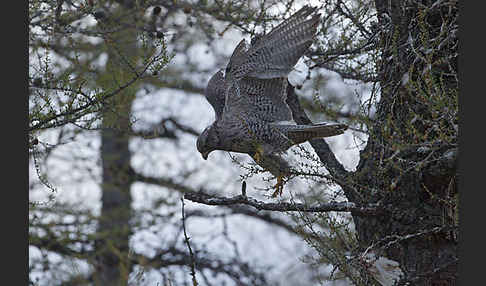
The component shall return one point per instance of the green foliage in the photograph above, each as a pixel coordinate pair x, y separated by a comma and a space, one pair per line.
67, 84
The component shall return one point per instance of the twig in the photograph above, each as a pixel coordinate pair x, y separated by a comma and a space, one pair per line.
389, 240
73, 114
200, 197
186, 239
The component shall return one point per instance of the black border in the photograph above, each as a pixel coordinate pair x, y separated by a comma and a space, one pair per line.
471, 110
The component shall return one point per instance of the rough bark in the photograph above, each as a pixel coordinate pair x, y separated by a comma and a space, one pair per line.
418, 198
407, 166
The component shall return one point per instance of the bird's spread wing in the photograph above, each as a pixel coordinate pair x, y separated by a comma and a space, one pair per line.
215, 93
256, 75
260, 99
238, 55
275, 54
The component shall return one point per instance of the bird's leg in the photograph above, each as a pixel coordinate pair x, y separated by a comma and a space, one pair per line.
278, 187
262, 159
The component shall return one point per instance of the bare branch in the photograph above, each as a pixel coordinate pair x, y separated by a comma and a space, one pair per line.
200, 197
348, 14
390, 240
236, 270
161, 130
186, 240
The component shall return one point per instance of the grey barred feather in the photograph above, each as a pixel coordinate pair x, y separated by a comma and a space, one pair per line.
275, 54
238, 53
249, 97
292, 22
215, 93
302, 133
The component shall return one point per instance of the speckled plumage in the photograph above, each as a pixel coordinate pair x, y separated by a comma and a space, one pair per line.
249, 97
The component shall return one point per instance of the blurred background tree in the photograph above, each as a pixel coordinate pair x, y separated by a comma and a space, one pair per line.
115, 107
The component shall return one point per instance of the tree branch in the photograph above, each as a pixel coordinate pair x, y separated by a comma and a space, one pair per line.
96, 104
446, 164
186, 240
320, 146
236, 270
200, 197
162, 130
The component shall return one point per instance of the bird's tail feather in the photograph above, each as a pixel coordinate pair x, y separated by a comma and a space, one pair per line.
301, 133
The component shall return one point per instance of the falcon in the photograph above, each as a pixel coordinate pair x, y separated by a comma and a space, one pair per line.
249, 98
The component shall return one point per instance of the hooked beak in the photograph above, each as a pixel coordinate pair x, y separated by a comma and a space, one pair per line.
205, 155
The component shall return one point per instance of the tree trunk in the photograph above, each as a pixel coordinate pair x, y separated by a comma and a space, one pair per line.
409, 163
114, 223
418, 192
112, 247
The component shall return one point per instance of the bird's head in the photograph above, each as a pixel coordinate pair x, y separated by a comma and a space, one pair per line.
207, 141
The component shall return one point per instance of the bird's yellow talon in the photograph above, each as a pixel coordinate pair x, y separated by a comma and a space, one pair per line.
278, 187
258, 154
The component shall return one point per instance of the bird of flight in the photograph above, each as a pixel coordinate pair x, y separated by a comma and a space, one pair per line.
249, 98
